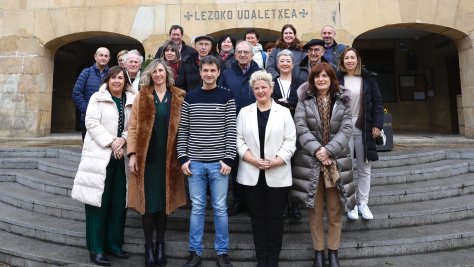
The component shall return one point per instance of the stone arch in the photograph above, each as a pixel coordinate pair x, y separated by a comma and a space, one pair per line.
72, 53
419, 42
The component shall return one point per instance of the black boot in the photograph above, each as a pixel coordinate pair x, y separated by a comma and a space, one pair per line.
149, 257
160, 254
99, 259
319, 259
333, 258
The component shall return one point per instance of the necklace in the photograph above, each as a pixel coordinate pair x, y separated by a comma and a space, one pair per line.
284, 88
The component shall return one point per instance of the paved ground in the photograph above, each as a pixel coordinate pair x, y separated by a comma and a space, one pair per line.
402, 140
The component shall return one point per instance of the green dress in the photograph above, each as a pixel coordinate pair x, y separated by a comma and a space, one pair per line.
155, 166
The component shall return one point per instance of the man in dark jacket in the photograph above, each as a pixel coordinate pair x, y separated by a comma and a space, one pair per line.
236, 78
315, 55
333, 50
188, 73
176, 35
89, 82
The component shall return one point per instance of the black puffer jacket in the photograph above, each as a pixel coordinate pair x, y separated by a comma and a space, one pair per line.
373, 111
306, 168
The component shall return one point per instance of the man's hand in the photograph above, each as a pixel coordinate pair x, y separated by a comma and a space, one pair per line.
185, 168
225, 169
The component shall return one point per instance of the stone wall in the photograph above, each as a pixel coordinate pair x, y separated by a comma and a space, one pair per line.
33, 30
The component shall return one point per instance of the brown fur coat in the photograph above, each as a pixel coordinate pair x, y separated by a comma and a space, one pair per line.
139, 134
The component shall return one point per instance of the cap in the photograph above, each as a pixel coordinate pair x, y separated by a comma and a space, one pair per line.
203, 37
313, 42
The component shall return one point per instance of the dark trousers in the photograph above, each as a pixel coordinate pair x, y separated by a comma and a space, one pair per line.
238, 193
105, 224
83, 130
265, 205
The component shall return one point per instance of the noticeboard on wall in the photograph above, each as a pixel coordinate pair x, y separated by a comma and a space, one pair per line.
412, 88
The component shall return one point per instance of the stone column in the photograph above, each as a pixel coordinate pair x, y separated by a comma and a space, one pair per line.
466, 69
26, 78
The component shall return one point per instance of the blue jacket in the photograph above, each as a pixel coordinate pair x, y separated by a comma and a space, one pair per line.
86, 85
337, 50
233, 79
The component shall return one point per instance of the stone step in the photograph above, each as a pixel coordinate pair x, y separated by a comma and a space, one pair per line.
17, 250
421, 172
404, 158
422, 190
296, 246
434, 211
39, 180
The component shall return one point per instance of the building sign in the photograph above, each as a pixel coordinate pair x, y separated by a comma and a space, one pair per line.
246, 14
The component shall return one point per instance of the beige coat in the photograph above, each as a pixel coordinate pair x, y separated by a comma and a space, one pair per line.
101, 123
280, 140
139, 134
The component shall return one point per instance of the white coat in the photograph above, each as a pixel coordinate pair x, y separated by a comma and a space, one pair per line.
101, 123
280, 140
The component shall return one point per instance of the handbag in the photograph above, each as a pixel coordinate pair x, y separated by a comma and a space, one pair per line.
331, 174
381, 139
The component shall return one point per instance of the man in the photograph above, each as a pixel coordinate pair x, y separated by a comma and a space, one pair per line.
176, 35
206, 146
259, 56
315, 55
333, 50
89, 82
133, 63
188, 73
236, 78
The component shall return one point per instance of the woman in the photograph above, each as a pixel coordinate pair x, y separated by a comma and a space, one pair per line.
323, 126
367, 121
156, 186
265, 142
285, 94
101, 181
287, 40
120, 58
225, 50
171, 56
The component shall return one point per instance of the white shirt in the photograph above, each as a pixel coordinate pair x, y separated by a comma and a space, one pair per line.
354, 83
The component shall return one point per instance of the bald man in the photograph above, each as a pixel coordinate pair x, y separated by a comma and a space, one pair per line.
89, 82
333, 50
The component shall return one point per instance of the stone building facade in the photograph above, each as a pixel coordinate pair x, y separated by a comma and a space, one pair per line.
35, 89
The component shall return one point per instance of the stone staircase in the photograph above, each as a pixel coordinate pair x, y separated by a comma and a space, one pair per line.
422, 200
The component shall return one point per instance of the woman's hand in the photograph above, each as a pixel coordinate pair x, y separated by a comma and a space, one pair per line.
322, 154
118, 143
375, 132
118, 153
132, 163
275, 162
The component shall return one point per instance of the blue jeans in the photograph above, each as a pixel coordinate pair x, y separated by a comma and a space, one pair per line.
204, 173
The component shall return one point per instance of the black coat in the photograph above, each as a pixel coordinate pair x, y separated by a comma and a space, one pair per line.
373, 111
292, 98
189, 77
301, 71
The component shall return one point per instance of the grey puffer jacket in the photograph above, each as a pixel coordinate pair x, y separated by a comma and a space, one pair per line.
306, 168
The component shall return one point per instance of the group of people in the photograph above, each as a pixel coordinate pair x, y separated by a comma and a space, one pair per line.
284, 126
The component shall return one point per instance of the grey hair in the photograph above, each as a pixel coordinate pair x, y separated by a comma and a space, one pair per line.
285, 52
261, 75
148, 72
245, 42
133, 52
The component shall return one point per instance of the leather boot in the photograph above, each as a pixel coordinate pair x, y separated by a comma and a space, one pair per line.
319, 259
149, 257
160, 254
333, 258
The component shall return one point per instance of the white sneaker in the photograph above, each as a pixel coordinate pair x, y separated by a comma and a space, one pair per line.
365, 212
353, 214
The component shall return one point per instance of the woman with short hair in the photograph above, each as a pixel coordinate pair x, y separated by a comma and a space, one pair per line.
265, 142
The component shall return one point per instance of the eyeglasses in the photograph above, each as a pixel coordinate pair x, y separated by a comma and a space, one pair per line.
311, 50
245, 52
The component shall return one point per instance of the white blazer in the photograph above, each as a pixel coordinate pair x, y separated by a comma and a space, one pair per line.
280, 140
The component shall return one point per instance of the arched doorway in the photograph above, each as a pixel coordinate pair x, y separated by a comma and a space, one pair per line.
70, 58
418, 74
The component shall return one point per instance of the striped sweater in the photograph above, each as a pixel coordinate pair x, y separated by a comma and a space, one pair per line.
207, 130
